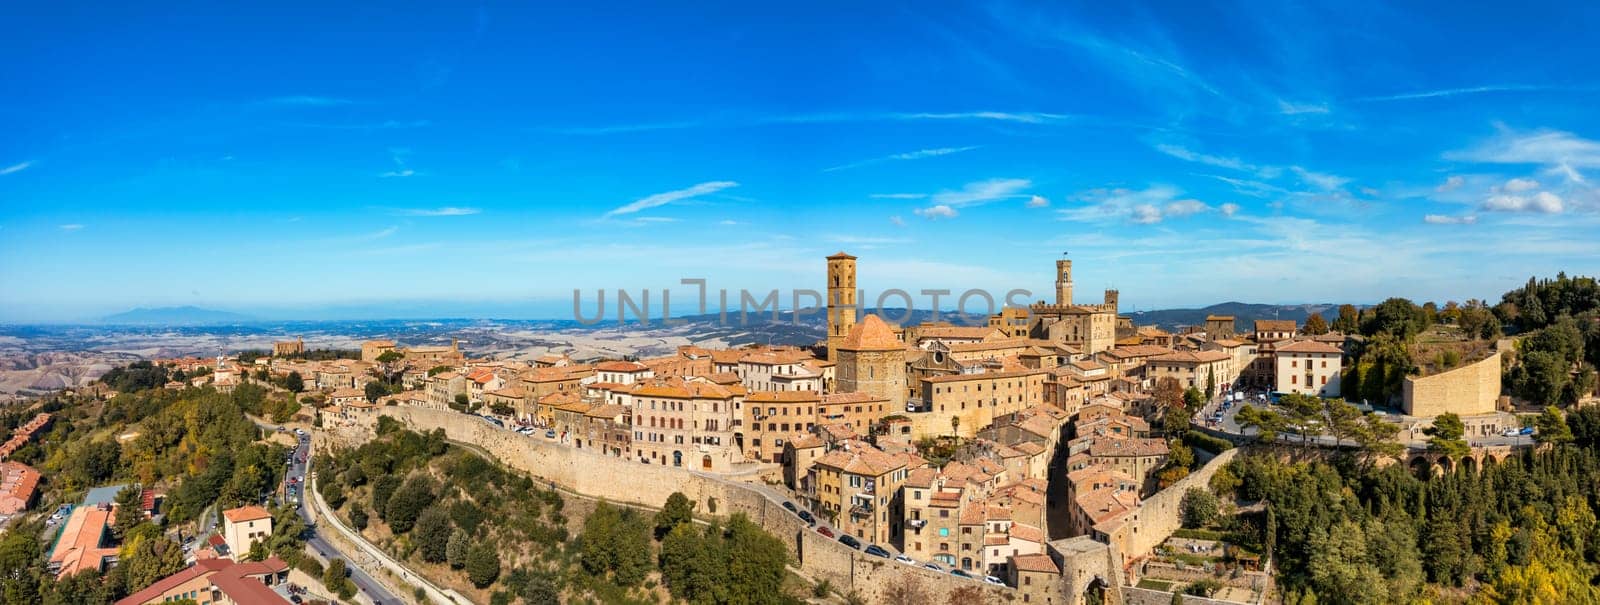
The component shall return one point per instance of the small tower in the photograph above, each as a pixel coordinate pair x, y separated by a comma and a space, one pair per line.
1063, 282
1111, 300
841, 299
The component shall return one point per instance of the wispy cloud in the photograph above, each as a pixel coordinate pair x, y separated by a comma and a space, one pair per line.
936, 212
377, 235
1025, 117
897, 221
1228, 209
898, 196
662, 199
398, 156
1290, 108
1019, 117
1231, 163
401, 173
306, 101
1547, 147
981, 192
1452, 183
1141, 206
1321, 180
444, 211
911, 155
17, 167
1038, 201
1473, 90
71, 227
1444, 219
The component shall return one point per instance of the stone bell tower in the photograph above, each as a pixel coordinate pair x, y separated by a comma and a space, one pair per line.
841, 299
1063, 282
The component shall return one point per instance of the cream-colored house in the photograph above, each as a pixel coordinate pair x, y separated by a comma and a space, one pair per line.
244, 526
1308, 367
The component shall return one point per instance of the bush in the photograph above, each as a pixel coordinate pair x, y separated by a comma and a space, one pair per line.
1199, 507
1197, 439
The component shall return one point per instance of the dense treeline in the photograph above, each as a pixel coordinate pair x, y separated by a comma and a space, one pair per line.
450, 507
196, 444
1523, 530
1560, 319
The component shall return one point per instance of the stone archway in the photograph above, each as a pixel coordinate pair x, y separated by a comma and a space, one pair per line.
1469, 465
1446, 466
1489, 460
1422, 467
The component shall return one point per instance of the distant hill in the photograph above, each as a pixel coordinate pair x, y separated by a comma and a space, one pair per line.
175, 316
1244, 314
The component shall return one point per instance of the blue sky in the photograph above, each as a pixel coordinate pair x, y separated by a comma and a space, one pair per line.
314, 160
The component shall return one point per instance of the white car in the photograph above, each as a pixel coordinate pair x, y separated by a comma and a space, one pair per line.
905, 559
993, 580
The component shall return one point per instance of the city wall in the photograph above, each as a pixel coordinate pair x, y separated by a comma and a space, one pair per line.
1468, 390
622, 480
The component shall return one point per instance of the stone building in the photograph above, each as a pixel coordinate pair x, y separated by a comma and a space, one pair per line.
870, 359
858, 487
686, 423
286, 348
1090, 328
1308, 367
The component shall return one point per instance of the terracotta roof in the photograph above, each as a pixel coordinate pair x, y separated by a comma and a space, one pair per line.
856, 397
1219, 318
984, 376
1192, 357
1111, 447
1036, 563
805, 441
872, 334
620, 366
1308, 346
609, 410
1027, 533
840, 255
1276, 325
246, 513
861, 459
978, 332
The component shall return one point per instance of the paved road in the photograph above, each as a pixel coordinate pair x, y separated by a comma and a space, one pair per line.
296, 475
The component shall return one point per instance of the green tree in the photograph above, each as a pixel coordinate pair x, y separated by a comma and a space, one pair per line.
390, 356
432, 534
1446, 436
483, 565
150, 558
406, 504
294, 382
1193, 399
358, 516
1552, 427
335, 575
1199, 508
678, 509
130, 511
1349, 320
375, 391
457, 549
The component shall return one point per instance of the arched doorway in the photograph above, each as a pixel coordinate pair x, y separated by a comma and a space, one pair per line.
1469, 465
1446, 465
677, 458
705, 462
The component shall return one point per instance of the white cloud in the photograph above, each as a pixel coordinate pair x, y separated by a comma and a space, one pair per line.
71, 227
910, 155
15, 168
936, 212
307, 101
1566, 170
981, 192
1451, 184
402, 173
1038, 201
1441, 219
1228, 209
1148, 206
1547, 147
897, 221
1520, 185
445, 211
1543, 202
1145, 214
1231, 163
662, 199
1319, 179
1290, 109
1026, 117
1450, 92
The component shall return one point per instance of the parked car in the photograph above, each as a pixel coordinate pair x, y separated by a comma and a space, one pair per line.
905, 559
790, 506
805, 515
961, 574
993, 580
550, 434
851, 541
877, 551
932, 566
825, 531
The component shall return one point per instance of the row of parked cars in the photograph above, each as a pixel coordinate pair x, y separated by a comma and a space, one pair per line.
879, 551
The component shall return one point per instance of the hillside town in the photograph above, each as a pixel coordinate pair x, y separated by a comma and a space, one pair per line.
1036, 453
